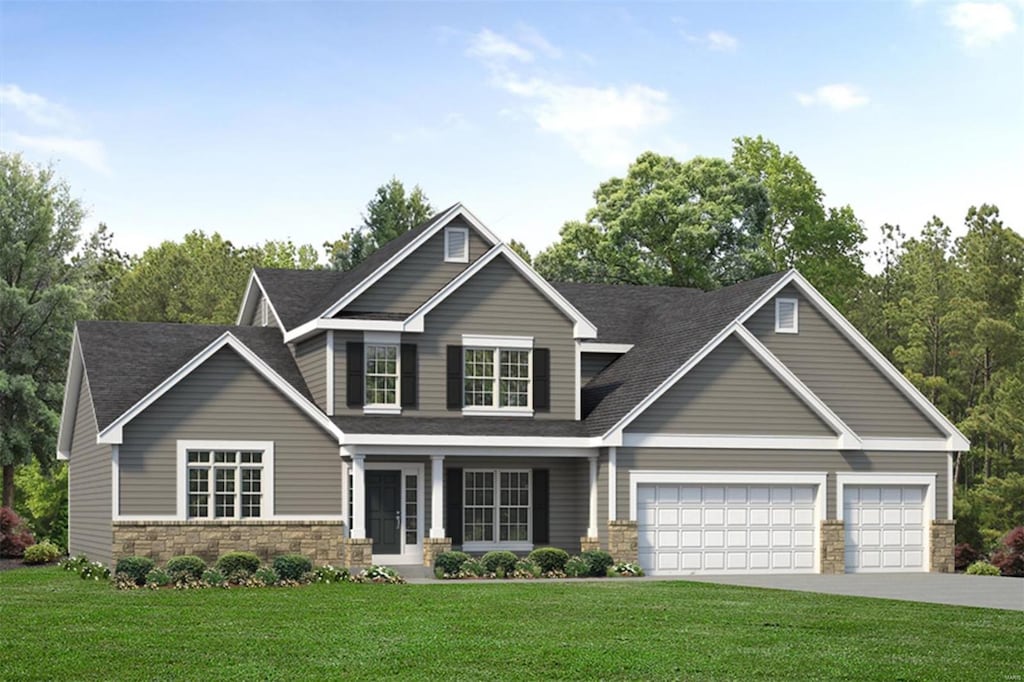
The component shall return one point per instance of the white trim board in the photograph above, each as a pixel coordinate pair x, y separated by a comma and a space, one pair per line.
72, 390
601, 347
248, 305
266, 482
113, 433
883, 478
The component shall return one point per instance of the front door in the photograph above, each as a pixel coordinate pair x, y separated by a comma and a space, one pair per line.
383, 511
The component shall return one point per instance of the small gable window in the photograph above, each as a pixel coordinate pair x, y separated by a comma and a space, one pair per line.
786, 315
456, 245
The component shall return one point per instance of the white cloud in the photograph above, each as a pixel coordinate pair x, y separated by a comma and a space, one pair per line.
981, 23
532, 37
837, 96
89, 152
36, 108
721, 41
490, 46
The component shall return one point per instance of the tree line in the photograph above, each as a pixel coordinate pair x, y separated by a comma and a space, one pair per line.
948, 312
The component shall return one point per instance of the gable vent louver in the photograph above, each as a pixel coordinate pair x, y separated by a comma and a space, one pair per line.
456, 244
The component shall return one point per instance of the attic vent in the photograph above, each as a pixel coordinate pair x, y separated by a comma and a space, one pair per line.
456, 245
786, 315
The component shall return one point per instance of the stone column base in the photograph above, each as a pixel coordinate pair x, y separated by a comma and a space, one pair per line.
588, 543
434, 546
358, 553
833, 546
622, 541
943, 541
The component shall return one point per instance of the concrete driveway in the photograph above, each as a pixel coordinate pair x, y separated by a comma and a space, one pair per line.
938, 588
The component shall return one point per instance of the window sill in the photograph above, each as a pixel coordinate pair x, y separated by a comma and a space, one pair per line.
382, 409
488, 546
497, 411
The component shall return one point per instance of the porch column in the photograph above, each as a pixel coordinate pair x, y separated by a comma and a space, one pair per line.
592, 526
358, 497
437, 496
612, 476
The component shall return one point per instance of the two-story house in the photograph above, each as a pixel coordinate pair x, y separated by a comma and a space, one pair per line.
442, 394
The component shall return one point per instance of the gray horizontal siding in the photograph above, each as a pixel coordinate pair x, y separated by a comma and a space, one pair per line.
831, 462
730, 391
592, 364
311, 358
225, 399
569, 489
90, 531
418, 277
839, 374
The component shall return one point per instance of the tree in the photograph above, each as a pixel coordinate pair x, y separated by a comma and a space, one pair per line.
389, 214
699, 223
521, 250
39, 301
287, 255
824, 244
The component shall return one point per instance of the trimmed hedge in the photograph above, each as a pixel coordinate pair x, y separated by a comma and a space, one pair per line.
500, 559
135, 568
41, 553
450, 562
237, 564
187, 567
549, 559
292, 566
598, 562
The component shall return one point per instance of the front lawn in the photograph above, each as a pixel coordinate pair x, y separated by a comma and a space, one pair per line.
55, 626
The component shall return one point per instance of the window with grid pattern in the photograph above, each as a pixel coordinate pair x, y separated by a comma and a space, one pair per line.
496, 377
381, 374
496, 506
225, 484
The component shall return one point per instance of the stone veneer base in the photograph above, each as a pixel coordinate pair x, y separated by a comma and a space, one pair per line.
588, 543
622, 541
943, 542
434, 546
357, 552
161, 540
833, 547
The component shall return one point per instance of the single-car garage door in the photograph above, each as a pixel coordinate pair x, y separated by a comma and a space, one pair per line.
884, 528
708, 528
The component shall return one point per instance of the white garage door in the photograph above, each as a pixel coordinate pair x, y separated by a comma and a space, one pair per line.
685, 529
884, 528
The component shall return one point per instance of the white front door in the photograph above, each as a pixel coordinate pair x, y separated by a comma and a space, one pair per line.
885, 528
727, 528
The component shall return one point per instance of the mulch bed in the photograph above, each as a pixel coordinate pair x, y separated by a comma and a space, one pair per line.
10, 564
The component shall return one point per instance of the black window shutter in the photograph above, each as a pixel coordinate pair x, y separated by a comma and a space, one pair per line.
453, 504
354, 364
541, 504
454, 377
541, 379
409, 373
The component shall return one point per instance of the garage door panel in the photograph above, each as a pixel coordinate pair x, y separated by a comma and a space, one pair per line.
884, 527
725, 528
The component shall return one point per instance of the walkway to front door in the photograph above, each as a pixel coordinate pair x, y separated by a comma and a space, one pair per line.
383, 511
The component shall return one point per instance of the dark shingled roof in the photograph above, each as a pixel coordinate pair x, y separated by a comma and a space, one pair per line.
461, 426
672, 332
124, 361
300, 296
622, 312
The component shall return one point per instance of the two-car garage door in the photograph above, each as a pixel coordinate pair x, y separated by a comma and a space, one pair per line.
711, 528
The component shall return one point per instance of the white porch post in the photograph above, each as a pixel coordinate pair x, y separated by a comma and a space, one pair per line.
358, 497
592, 527
612, 455
437, 496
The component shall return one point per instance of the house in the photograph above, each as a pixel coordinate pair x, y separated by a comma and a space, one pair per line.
442, 394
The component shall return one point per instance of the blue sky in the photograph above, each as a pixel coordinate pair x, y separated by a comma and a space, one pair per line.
278, 120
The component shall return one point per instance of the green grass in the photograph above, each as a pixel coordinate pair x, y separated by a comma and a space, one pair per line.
55, 626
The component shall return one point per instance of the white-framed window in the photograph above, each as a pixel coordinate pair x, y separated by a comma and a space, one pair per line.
225, 484
381, 374
497, 377
786, 315
456, 244
496, 508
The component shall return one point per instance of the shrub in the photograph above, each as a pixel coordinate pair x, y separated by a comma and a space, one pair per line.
265, 577
215, 577
577, 567
550, 559
449, 562
14, 534
94, 570
598, 562
135, 568
626, 569
75, 564
964, 555
42, 553
187, 567
982, 568
42, 500
472, 567
158, 577
329, 574
378, 574
237, 565
292, 566
525, 568
500, 559
1010, 559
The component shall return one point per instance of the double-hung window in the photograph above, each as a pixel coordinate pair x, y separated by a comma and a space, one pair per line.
225, 484
381, 374
496, 508
497, 378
